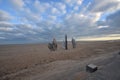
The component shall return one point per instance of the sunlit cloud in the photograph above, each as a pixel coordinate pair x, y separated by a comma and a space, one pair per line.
40, 20
103, 38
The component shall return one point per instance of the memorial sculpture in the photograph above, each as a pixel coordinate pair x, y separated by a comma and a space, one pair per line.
73, 43
66, 43
53, 46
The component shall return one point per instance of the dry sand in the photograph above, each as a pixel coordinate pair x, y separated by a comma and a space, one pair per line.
37, 62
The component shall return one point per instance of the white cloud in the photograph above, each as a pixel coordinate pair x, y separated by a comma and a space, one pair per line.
19, 34
76, 8
2, 37
85, 8
67, 1
96, 16
79, 2
35, 17
99, 27
73, 2
58, 18
61, 7
52, 18
25, 27
78, 25
38, 6
101, 38
6, 29
18, 4
55, 11
28, 1
41, 7
31, 17
6, 24
5, 16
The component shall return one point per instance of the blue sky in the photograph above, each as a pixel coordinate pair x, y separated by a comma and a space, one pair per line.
32, 21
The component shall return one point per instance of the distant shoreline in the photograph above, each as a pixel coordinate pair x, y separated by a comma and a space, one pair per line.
57, 41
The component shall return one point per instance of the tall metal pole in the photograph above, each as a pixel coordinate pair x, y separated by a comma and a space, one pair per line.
66, 47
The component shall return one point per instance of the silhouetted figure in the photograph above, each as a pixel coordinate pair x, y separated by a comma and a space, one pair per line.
73, 43
66, 47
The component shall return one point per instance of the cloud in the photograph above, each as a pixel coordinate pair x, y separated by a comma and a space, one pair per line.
78, 25
5, 24
41, 7
61, 7
76, 8
5, 29
99, 27
32, 18
5, 16
17, 4
96, 16
79, 2
113, 19
101, 38
104, 6
111, 24
2, 37
55, 11
52, 18
16, 31
29, 17
73, 2
40, 21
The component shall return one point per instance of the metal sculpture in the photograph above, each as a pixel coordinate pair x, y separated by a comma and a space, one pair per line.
66, 43
73, 43
53, 46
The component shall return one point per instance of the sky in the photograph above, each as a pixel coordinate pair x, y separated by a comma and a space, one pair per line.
34, 21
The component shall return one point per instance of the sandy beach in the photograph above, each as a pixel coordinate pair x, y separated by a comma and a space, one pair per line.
37, 62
